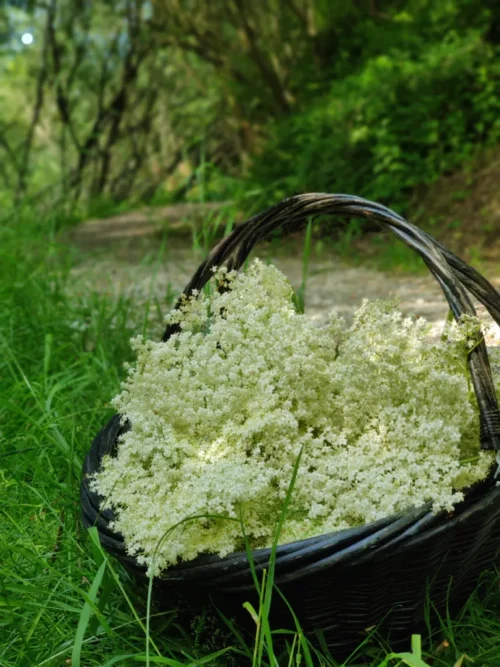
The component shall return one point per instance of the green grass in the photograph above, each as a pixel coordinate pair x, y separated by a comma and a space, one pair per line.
62, 599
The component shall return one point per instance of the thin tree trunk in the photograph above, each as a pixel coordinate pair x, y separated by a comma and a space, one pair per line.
24, 163
268, 72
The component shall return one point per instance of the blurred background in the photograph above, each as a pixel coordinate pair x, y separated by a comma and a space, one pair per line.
107, 105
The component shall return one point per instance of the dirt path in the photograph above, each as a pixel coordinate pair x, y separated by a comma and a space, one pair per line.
123, 255
139, 224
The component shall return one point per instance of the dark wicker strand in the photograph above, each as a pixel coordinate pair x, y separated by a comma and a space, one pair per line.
489, 423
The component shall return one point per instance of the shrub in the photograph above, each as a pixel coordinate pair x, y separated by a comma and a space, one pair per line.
400, 122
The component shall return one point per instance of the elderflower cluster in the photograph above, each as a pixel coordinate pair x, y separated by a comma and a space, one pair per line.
220, 412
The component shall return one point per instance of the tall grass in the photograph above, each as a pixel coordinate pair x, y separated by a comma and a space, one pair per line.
63, 600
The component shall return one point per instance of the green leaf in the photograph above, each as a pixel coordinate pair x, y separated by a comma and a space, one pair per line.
411, 660
85, 616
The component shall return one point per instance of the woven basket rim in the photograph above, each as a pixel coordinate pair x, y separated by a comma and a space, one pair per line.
398, 529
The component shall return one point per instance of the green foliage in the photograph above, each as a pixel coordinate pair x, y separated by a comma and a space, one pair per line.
398, 123
167, 101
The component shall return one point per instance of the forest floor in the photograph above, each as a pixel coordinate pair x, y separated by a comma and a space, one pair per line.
151, 253
463, 209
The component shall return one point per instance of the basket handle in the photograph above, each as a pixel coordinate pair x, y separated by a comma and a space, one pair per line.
455, 277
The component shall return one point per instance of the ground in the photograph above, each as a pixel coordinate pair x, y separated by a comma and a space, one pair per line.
62, 359
463, 209
139, 253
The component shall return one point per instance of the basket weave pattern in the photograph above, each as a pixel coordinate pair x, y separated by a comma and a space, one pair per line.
346, 582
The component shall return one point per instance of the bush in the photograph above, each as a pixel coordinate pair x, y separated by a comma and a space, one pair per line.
400, 122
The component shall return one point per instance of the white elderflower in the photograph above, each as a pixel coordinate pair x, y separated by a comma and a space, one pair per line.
220, 412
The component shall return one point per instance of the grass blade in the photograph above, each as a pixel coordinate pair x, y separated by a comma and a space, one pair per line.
85, 617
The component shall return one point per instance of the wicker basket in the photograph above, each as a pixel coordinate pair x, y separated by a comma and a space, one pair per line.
346, 582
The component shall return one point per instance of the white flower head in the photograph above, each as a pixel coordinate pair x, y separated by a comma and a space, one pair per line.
221, 410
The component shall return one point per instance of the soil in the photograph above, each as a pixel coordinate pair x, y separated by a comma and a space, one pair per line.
140, 254
463, 209
152, 265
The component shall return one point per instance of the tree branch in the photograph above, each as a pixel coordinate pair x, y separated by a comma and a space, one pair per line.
39, 99
268, 72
